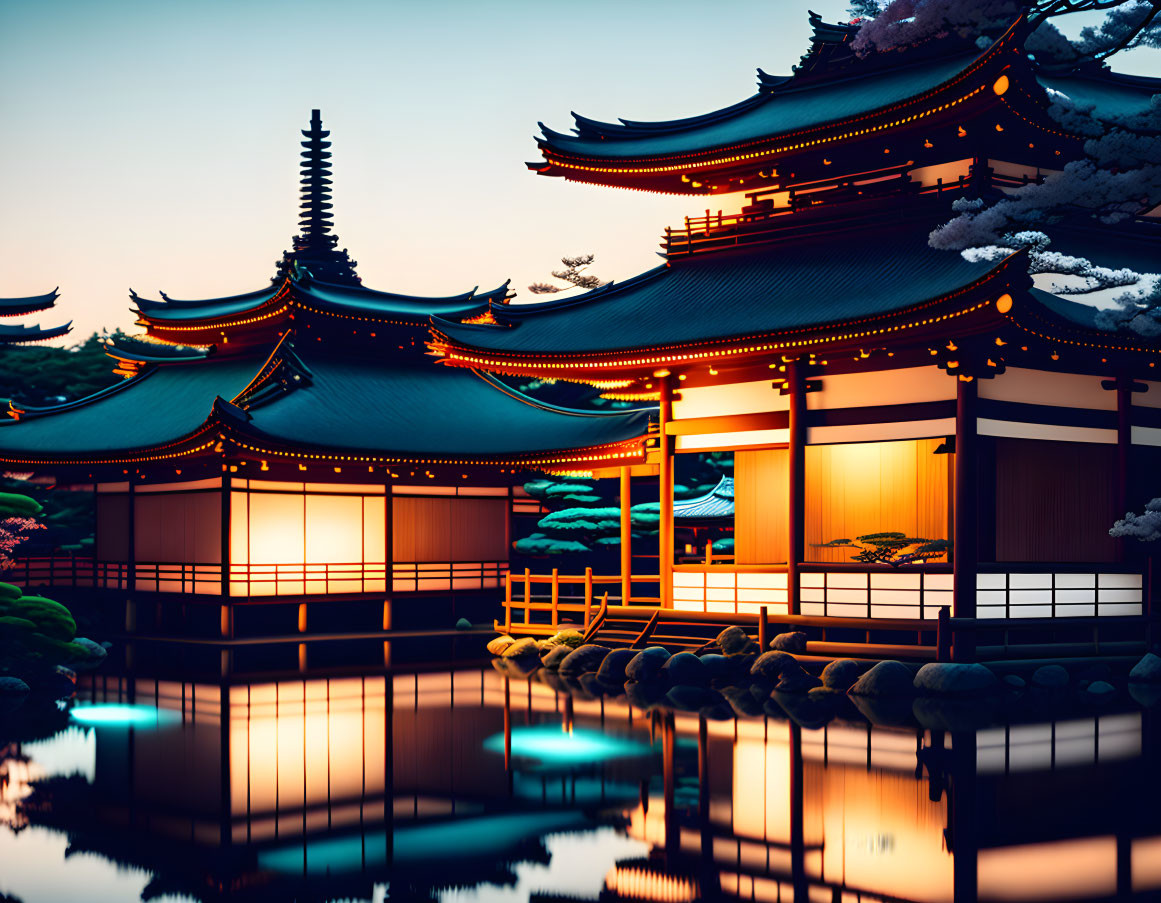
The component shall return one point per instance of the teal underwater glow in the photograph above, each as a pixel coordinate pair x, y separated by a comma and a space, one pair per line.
491, 836
552, 745
116, 715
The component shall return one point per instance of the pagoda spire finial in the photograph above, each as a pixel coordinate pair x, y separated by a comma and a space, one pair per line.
314, 248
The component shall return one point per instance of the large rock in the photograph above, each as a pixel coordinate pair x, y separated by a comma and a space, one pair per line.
525, 648
796, 680
554, 656
732, 639
1050, 677
13, 686
499, 644
789, 642
769, 665
592, 684
1147, 670
1100, 689
740, 665
463, 624
582, 659
841, 674
612, 670
686, 669
647, 664
719, 666
954, 679
888, 678
569, 637
95, 653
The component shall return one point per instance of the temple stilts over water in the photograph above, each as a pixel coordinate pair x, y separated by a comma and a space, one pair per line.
913, 431
273, 452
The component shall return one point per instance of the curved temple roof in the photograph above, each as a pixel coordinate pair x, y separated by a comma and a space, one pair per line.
817, 281
762, 115
337, 298
828, 103
340, 405
14, 307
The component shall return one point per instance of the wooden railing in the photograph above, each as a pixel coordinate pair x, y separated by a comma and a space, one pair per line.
519, 596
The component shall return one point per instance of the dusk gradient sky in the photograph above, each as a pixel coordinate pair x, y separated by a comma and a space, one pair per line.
155, 145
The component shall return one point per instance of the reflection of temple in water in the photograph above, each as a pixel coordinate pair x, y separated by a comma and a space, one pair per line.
271, 790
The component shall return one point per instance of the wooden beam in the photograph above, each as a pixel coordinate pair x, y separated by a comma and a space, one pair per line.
727, 423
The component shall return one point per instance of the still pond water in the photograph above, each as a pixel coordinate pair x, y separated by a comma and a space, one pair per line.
464, 784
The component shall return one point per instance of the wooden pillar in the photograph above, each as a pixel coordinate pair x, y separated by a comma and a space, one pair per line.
1124, 455
965, 560
131, 551
796, 480
665, 480
626, 536
225, 537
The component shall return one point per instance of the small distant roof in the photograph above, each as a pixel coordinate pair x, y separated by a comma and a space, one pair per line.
13, 307
818, 280
19, 335
716, 504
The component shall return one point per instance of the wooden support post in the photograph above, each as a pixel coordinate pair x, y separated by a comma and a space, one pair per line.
796, 483
131, 550
302, 617
1124, 455
225, 537
527, 596
943, 635
965, 559
626, 536
507, 602
762, 628
555, 596
665, 495
588, 595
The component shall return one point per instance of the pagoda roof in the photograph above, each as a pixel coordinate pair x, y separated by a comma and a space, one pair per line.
348, 299
834, 100
19, 335
823, 279
716, 504
769, 113
315, 405
14, 307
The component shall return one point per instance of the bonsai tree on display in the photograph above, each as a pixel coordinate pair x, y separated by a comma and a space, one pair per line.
895, 549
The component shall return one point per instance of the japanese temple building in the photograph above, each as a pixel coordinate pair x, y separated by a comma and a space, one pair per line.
865, 382
297, 442
22, 334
